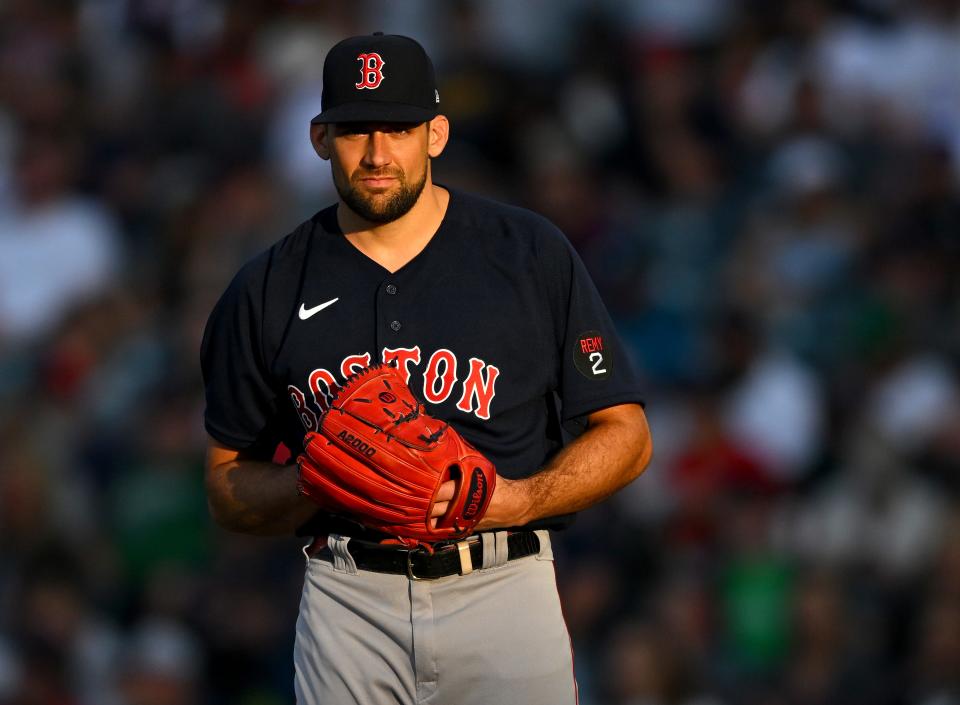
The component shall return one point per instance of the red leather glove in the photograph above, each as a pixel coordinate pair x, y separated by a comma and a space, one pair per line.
380, 460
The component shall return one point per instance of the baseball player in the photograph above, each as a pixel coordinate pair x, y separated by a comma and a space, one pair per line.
471, 334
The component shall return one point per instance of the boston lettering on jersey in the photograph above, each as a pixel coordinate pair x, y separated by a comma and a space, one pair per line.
440, 379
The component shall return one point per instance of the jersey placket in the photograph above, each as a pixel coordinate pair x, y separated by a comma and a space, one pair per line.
390, 319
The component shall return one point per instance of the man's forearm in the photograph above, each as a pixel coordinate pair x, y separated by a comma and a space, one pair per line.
257, 497
610, 454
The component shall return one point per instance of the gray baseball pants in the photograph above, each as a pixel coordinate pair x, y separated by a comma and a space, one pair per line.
495, 636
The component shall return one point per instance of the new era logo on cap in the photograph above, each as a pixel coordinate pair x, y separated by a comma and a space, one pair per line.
378, 77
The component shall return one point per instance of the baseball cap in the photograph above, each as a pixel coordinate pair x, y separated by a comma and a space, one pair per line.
378, 77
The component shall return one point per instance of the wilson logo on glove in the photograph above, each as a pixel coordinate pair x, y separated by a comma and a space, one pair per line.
477, 493
380, 459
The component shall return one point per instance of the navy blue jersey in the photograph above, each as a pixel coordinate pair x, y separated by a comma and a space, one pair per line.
496, 323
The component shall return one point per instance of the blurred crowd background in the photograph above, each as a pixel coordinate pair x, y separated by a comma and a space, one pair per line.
767, 195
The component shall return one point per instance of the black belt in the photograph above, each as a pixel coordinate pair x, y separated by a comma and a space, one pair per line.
446, 559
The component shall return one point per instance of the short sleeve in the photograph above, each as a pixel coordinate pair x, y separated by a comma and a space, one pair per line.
595, 370
241, 402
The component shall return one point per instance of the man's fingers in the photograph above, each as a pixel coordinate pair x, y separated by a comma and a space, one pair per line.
439, 510
440, 506
446, 491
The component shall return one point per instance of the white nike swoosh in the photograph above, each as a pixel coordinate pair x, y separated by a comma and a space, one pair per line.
305, 312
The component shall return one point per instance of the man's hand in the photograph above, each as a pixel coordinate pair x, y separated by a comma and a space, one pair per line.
612, 452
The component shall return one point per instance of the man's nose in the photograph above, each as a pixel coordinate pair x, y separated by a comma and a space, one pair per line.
377, 154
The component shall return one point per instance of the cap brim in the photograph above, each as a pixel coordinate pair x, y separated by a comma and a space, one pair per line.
371, 111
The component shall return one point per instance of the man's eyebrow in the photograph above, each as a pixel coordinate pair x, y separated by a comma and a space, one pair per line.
379, 126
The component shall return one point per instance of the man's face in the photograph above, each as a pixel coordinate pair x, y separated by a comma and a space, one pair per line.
379, 169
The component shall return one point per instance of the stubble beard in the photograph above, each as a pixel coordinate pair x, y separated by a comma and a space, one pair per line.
381, 207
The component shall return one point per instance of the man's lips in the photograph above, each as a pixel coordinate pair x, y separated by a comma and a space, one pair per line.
378, 181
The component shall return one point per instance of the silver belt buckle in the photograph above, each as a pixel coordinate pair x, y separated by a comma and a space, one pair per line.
463, 553
410, 564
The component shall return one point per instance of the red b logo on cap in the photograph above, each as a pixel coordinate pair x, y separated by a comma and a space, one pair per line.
371, 71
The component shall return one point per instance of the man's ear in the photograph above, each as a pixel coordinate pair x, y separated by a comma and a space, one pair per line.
318, 138
438, 132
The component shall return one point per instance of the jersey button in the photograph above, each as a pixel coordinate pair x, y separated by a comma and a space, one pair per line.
395, 326
391, 288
